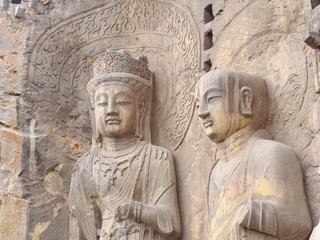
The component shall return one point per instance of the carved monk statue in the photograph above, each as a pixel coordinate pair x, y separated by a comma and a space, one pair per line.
124, 187
256, 189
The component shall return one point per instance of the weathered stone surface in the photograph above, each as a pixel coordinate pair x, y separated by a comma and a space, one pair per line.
20, 11
252, 191
13, 218
264, 38
313, 40
12, 204
271, 46
11, 165
124, 187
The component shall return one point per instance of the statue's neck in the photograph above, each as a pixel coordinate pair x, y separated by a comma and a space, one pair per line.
118, 144
234, 144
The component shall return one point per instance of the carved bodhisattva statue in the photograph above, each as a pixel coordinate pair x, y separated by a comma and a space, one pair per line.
123, 188
256, 189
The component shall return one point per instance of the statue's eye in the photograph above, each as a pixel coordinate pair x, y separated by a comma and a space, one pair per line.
102, 100
213, 98
197, 105
102, 103
122, 100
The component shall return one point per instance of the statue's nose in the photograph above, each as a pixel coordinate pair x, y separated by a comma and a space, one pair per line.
203, 112
111, 108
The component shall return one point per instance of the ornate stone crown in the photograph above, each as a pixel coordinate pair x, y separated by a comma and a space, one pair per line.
120, 68
121, 61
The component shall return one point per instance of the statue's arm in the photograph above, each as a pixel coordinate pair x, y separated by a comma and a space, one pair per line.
164, 216
278, 206
260, 216
81, 214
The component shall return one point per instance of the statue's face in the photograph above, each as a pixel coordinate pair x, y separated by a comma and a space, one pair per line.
116, 109
215, 119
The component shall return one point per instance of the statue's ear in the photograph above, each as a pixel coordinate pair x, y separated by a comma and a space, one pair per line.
246, 98
142, 104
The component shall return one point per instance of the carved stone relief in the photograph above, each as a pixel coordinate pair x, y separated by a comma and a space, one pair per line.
162, 30
61, 66
123, 188
46, 59
269, 44
252, 191
269, 49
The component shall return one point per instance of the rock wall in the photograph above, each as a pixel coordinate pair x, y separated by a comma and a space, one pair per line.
45, 59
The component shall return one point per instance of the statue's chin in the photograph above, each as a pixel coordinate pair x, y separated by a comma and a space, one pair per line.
212, 135
216, 137
118, 133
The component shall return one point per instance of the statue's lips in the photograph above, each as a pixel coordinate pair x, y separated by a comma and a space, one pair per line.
113, 121
208, 124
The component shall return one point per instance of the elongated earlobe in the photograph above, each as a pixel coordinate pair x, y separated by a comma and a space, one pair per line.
141, 106
246, 99
140, 120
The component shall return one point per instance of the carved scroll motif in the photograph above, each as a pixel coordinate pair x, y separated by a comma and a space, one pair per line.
163, 31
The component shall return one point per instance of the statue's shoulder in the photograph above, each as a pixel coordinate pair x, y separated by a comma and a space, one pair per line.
85, 161
161, 163
159, 153
274, 152
272, 147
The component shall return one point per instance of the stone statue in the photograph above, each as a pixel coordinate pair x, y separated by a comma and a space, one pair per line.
123, 188
256, 189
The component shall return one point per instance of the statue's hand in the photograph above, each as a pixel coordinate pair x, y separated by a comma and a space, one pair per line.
128, 211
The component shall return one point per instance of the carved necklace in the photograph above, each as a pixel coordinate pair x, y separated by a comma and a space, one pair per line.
115, 164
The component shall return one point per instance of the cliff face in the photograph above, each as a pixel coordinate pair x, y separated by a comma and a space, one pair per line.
46, 52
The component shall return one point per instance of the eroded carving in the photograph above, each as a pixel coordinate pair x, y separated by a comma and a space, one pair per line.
256, 188
124, 187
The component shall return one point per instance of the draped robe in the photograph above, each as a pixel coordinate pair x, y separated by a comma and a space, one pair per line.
100, 184
265, 180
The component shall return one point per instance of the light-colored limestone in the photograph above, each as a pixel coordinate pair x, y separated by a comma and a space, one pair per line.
13, 217
261, 37
256, 189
